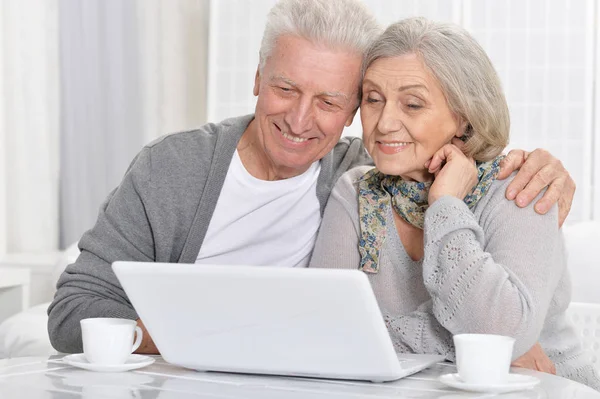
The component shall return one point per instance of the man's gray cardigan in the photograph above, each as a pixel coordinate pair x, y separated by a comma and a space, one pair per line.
160, 213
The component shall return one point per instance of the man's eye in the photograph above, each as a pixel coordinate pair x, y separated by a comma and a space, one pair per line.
328, 103
286, 89
372, 100
414, 106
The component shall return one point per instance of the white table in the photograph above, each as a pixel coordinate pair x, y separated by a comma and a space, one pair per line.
14, 290
35, 378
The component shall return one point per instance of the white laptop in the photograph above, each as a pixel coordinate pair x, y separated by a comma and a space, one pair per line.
321, 323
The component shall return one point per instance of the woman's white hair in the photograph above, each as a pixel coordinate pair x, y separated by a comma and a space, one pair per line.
465, 73
336, 24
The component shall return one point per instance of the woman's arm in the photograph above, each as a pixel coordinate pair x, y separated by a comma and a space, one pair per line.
496, 274
419, 332
337, 242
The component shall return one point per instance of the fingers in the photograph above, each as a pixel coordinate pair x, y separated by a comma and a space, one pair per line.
524, 364
552, 196
546, 177
565, 201
538, 365
540, 170
147, 346
534, 162
436, 162
456, 141
545, 365
446, 153
513, 161
535, 359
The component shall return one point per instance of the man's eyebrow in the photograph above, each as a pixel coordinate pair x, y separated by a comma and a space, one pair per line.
284, 80
334, 94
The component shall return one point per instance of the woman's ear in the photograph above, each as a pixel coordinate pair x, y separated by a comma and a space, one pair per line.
463, 129
464, 132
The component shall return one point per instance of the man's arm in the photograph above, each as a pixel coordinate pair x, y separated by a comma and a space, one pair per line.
89, 287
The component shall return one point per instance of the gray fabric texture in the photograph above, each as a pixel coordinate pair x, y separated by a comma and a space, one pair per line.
160, 213
497, 269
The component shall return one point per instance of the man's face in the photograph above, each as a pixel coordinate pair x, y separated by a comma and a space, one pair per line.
306, 95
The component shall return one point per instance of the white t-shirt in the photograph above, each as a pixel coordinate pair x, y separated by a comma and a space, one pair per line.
263, 223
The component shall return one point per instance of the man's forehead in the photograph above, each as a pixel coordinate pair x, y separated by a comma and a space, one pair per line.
291, 82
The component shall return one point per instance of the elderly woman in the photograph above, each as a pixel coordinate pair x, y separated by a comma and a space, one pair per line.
445, 251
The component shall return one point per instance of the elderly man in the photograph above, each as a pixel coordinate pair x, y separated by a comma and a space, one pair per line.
251, 189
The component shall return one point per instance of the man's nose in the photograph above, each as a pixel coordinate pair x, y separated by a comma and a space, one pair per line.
301, 117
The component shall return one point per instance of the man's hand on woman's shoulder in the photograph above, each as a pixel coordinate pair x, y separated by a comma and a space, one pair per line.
537, 170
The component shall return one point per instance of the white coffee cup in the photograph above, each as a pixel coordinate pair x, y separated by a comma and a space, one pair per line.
109, 341
483, 359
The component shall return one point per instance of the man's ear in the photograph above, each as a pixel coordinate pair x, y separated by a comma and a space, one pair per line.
350, 118
256, 82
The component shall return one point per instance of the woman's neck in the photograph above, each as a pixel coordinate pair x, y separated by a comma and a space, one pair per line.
420, 176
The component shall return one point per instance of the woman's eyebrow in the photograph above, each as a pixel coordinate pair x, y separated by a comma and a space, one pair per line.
415, 86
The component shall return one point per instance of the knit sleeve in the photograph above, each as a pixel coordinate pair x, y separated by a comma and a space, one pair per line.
419, 332
337, 241
494, 275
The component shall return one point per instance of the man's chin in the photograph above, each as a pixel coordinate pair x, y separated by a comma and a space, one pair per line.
293, 166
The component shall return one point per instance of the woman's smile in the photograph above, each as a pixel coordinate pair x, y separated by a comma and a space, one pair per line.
392, 147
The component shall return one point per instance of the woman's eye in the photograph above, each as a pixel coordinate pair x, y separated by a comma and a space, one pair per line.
414, 106
372, 100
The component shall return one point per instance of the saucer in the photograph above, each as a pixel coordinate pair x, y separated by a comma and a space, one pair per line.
132, 363
516, 382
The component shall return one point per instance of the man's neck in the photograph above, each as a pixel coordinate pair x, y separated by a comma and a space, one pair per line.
256, 160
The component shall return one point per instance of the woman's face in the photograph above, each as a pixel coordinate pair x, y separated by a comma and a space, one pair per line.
405, 116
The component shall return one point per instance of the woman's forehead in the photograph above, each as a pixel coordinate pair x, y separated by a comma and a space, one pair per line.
401, 71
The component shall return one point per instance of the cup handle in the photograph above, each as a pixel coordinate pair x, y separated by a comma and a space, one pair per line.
138, 339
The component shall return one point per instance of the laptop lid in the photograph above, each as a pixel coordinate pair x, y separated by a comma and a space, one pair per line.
283, 321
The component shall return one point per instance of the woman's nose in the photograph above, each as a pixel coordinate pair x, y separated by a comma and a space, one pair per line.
389, 120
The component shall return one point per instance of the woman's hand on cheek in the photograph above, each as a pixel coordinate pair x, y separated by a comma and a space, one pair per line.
455, 173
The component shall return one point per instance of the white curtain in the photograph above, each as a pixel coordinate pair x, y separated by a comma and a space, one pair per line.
130, 72
173, 40
29, 126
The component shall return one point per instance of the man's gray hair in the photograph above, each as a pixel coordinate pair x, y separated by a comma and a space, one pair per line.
335, 24
465, 73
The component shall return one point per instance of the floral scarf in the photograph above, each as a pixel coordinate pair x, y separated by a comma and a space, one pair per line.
377, 191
